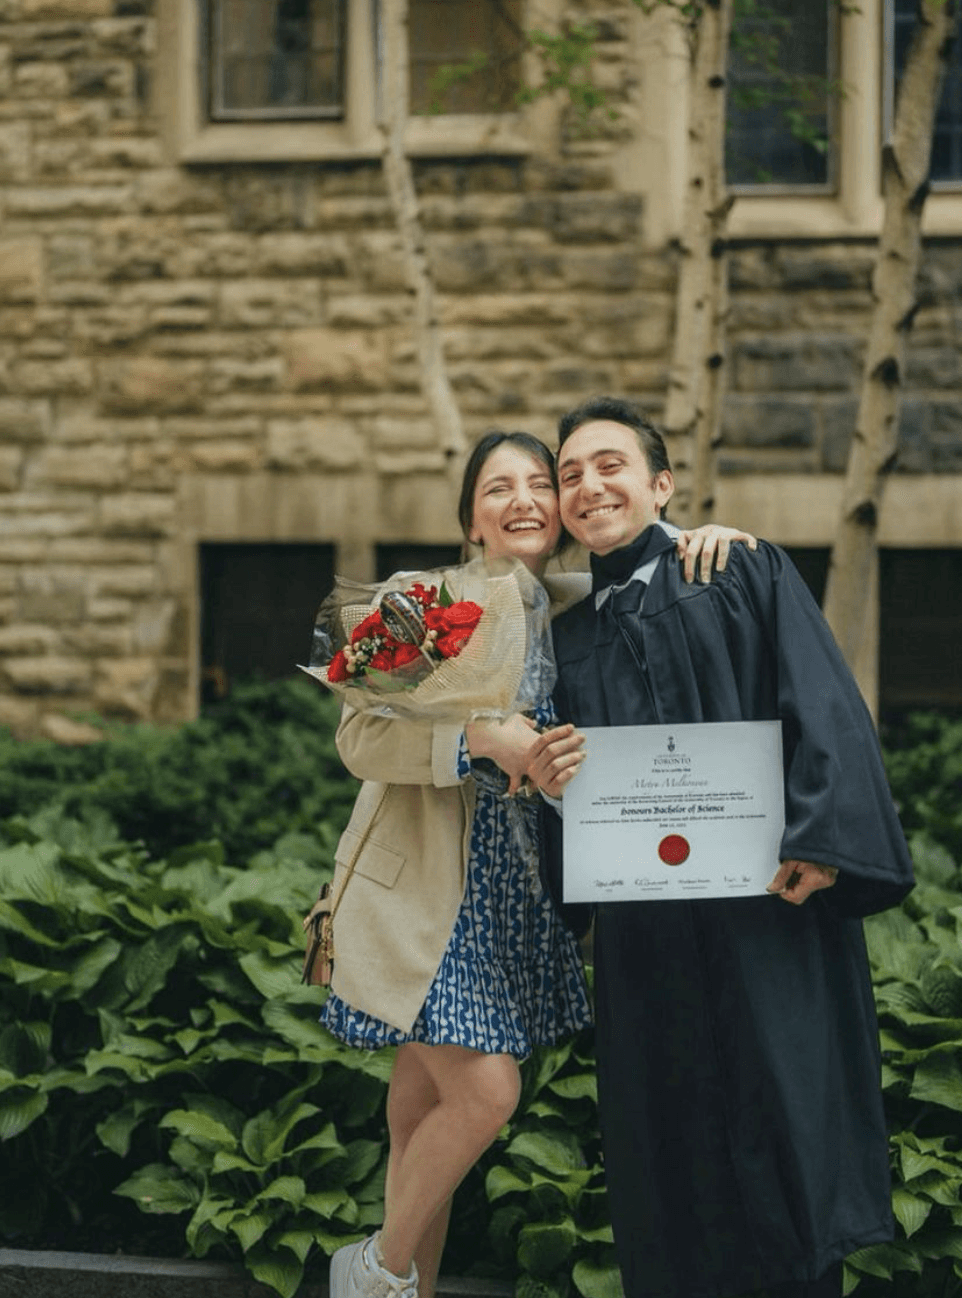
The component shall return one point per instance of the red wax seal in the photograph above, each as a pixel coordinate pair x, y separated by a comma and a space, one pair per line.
673, 849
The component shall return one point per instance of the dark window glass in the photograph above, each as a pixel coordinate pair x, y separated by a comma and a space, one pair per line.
257, 609
410, 557
947, 137
780, 101
276, 59
443, 34
812, 564
920, 635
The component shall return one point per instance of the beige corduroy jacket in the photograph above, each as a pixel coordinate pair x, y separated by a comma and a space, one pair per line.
413, 817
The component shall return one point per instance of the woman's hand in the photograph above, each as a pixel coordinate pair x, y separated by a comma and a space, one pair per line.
508, 743
712, 542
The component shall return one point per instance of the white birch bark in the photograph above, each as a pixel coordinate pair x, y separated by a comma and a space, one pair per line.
435, 382
696, 384
905, 169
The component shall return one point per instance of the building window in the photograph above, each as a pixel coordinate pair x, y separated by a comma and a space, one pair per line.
276, 59
780, 95
920, 630
407, 556
947, 137
485, 35
258, 603
298, 80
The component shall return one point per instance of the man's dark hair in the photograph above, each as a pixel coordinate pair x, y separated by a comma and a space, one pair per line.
619, 411
486, 447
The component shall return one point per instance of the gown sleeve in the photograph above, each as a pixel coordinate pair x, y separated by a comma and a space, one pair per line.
838, 807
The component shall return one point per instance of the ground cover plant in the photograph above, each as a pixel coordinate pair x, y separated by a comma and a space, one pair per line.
165, 1085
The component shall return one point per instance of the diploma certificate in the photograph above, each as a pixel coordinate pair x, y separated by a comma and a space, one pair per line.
668, 812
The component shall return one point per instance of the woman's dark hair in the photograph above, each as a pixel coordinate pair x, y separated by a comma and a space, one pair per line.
619, 411
488, 444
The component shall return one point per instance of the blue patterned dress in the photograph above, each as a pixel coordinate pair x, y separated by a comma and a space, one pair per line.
511, 977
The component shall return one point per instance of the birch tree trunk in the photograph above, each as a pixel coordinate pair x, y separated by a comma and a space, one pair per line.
696, 384
905, 169
435, 383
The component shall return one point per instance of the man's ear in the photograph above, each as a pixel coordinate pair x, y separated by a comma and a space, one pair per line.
664, 487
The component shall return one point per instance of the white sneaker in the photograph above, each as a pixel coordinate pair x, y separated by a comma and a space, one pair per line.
356, 1273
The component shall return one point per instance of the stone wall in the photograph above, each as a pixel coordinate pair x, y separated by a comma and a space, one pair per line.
225, 352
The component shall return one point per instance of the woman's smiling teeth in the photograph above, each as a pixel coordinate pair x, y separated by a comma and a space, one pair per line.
524, 525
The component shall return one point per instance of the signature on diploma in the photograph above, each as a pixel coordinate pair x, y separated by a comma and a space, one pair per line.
736, 878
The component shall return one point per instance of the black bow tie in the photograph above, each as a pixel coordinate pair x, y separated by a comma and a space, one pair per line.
618, 565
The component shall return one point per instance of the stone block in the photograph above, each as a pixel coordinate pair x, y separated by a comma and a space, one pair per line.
80, 424
63, 378
824, 269
607, 272
378, 262
934, 367
914, 436
838, 424
768, 422
21, 269
230, 375
796, 363
97, 639
52, 607
123, 581
14, 153
147, 384
587, 218
18, 715
172, 191
270, 304
393, 433
325, 442
40, 80
404, 463
331, 359
102, 79
25, 641
224, 455
64, 730
126, 687
109, 610
11, 464
69, 201
130, 35
47, 674
141, 513
125, 153
102, 467
302, 253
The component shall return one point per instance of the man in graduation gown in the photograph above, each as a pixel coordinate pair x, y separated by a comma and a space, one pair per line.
738, 1060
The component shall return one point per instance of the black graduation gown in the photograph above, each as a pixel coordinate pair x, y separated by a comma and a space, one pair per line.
738, 1058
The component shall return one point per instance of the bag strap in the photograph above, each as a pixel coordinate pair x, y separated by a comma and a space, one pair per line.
362, 839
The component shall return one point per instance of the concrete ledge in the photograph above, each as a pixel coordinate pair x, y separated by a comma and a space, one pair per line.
27, 1274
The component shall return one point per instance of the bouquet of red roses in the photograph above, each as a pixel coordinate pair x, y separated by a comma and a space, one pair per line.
442, 645
415, 629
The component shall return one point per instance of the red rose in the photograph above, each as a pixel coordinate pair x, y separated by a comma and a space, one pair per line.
406, 653
372, 625
464, 614
337, 667
450, 643
385, 660
423, 595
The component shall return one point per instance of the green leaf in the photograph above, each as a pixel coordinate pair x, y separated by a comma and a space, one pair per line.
250, 1228
912, 1212
597, 1280
543, 1247
938, 1079
159, 1188
200, 1128
265, 1135
18, 1111
504, 1180
283, 1271
290, 1189
555, 1152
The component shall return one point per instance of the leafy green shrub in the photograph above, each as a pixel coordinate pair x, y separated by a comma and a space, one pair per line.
256, 766
916, 956
923, 758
